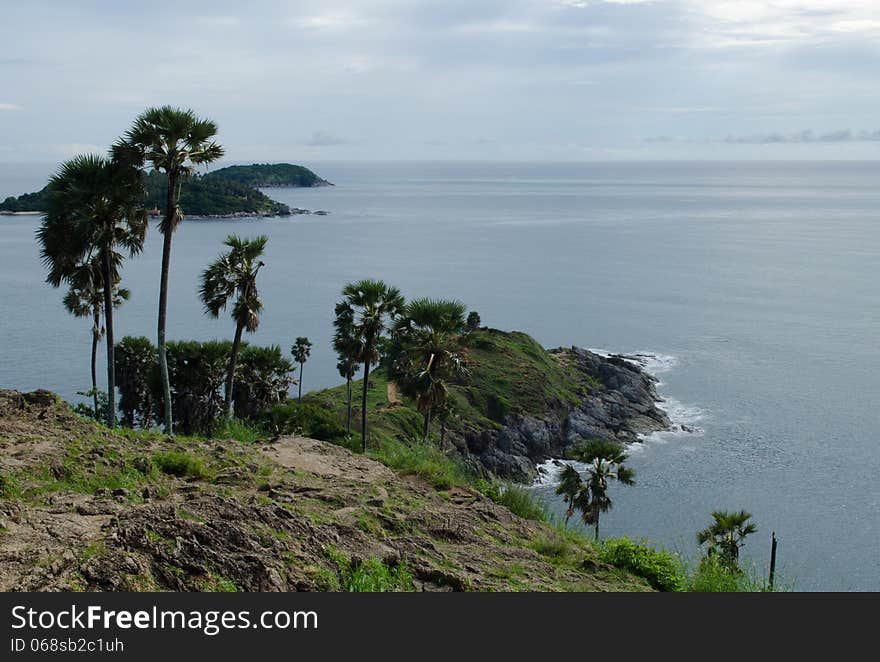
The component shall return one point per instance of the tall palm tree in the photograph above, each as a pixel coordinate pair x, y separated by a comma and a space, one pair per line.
569, 487
95, 206
426, 353
726, 535
604, 460
85, 298
371, 305
235, 273
301, 350
173, 141
348, 350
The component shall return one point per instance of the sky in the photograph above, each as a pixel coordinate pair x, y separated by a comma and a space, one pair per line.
450, 79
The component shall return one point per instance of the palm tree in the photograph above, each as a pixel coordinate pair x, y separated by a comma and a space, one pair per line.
348, 350
570, 485
301, 350
370, 304
725, 536
604, 460
85, 298
425, 353
95, 206
173, 141
235, 272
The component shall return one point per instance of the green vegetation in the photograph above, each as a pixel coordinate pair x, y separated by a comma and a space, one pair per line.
303, 419
301, 350
366, 309
424, 355
508, 373
204, 195
93, 212
725, 536
604, 460
662, 570
522, 502
174, 142
266, 175
180, 464
375, 576
234, 273
423, 460
198, 372
230, 190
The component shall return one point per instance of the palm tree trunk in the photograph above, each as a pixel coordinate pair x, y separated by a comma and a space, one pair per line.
348, 417
364, 404
108, 317
300, 396
170, 212
427, 423
96, 332
442, 433
230, 374
596, 527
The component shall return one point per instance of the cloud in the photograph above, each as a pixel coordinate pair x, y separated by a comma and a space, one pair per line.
796, 137
9, 106
325, 139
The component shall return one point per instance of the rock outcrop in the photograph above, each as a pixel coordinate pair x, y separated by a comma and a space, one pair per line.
620, 405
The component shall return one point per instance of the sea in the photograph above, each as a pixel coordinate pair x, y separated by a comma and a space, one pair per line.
751, 287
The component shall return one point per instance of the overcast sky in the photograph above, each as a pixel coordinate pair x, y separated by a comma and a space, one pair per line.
450, 79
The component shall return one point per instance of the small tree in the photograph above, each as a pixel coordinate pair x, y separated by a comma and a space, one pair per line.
301, 350
725, 536
235, 273
425, 353
604, 460
473, 321
570, 485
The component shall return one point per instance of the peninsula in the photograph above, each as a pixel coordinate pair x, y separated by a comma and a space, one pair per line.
224, 193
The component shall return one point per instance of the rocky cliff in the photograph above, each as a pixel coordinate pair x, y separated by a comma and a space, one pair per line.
618, 402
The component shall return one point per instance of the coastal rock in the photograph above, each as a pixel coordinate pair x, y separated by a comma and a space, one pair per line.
620, 405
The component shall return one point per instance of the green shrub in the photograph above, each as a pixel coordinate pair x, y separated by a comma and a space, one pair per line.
660, 568
177, 463
197, 372
521, 501
262, 379
304, 419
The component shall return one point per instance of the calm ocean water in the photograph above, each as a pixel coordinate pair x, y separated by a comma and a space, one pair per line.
755, 285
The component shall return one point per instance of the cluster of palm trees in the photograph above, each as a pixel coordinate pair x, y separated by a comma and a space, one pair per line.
421, 342
96, 216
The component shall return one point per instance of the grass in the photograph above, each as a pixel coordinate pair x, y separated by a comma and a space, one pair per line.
423, 460
181, 464
510, 373
375, 576
522, 502
239, 430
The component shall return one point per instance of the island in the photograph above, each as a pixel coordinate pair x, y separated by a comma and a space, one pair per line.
228, 192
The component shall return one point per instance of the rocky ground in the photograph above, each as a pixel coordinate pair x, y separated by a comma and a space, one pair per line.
84, 508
